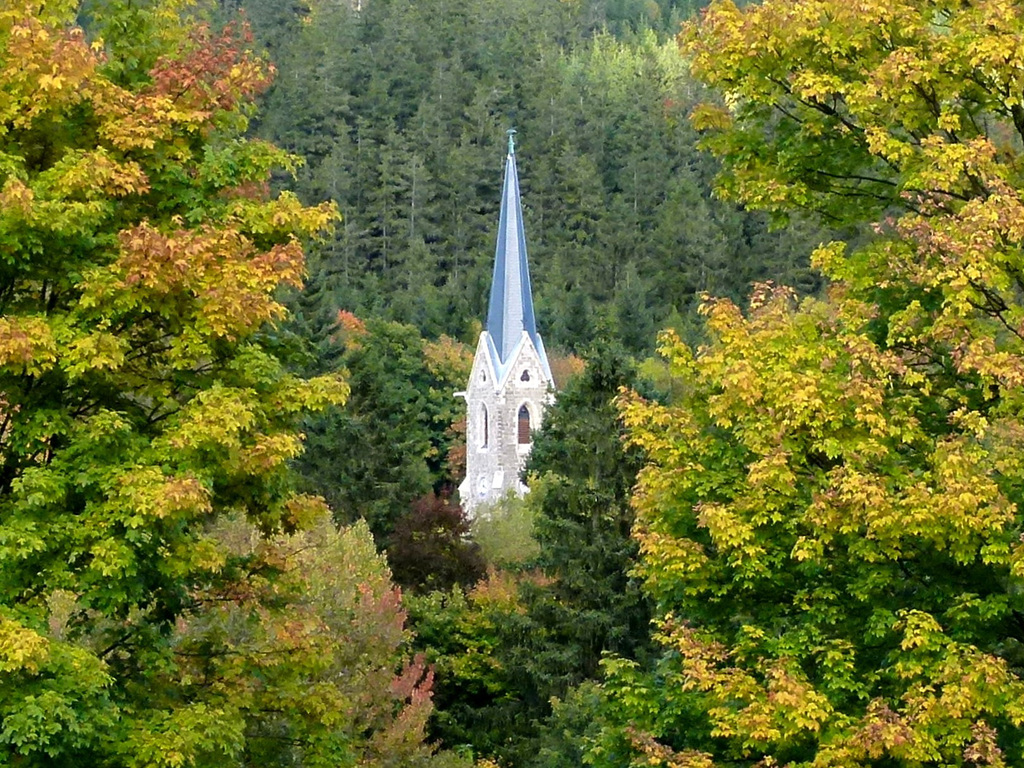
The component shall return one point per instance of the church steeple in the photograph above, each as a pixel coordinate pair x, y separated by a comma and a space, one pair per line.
510, 385
510, 311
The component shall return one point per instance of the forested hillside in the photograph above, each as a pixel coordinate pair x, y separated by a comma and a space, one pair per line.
789, 536
400, 111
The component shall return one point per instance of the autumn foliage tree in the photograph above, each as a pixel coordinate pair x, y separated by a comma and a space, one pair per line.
430, 547
830, 521
312, 648
140, 256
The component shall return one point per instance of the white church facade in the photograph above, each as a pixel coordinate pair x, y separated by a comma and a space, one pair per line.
511, 383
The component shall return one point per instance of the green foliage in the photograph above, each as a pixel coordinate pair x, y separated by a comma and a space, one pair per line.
833, 121
830, 518
571, 725
390, 445
481, 642
817, 558
583, 475
325, 639
504, 531
141, 257
400, 111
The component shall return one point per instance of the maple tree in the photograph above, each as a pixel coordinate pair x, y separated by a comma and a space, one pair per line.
313, 661
140, 257
830, 520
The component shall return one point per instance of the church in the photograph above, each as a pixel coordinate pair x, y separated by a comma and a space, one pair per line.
510, 384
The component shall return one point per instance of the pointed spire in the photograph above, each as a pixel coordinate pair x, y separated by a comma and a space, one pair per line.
510, 311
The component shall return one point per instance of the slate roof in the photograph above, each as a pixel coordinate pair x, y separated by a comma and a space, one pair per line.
510, 311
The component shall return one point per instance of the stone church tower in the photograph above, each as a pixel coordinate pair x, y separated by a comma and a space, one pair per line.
511, 381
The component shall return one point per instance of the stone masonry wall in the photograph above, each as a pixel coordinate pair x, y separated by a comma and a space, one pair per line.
502, 400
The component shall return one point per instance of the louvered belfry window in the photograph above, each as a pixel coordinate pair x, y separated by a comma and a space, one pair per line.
524, 425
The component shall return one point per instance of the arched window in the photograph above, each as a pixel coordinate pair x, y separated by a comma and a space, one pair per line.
484, 427
524, 425
525, 376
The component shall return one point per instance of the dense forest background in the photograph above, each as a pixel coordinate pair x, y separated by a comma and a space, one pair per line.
399, 110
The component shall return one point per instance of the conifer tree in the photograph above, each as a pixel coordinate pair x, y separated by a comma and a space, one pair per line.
583, 474
400, 112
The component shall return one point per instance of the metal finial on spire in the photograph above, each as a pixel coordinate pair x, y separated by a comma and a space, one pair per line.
511, 142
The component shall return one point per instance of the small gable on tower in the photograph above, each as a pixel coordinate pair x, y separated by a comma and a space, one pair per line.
511, 383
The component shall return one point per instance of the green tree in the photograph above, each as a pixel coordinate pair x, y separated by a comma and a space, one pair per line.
633, 318
389, 445
583, 474
504, 531
143, 408
141, 260
830, 521
481, 641
323, 634
400, 111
